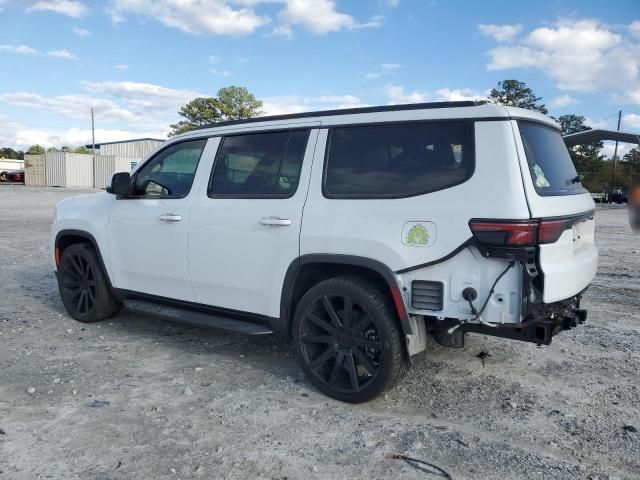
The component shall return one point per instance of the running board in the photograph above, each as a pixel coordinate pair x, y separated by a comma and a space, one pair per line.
197, 319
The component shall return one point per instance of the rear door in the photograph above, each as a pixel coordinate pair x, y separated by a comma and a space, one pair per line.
244, 229
554, 191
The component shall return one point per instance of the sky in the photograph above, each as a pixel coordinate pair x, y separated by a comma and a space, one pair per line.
136, 62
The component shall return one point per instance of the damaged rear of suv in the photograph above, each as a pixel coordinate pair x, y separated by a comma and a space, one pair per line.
355, 232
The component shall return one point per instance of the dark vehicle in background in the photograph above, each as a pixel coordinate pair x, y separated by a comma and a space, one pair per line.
15, 176
615, 195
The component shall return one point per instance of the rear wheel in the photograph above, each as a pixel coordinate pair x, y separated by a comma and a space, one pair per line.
347, 339
83, 286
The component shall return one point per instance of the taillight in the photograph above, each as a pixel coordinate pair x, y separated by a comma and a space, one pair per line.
550, 230
515, 233
505, 233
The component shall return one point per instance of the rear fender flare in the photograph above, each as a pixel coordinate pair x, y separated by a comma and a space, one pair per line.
347, 260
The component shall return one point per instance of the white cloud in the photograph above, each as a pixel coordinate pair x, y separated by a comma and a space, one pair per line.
21, 136
143, 97
70, 8
220, 73
121, 67
214, 17
458, 95
65, 54
317, 16
385, 69
396, 95
21, 49
81, 32
283, 31
393, 3
75, 106
563, 101
390, 66
239, 17
136, 106
634, 28
609, 148
631, 121
374, 22
501, 33
295, 103
580, 55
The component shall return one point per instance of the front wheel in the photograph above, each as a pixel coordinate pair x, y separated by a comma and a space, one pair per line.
347, 339
83, 285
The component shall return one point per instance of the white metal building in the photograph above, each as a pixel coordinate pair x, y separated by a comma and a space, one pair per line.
65, 169
138, 148
8, 164
35, 170
106, 165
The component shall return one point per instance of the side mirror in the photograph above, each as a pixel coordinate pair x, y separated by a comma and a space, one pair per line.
120, 183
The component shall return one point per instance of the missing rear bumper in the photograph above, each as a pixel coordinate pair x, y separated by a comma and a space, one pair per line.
540, 330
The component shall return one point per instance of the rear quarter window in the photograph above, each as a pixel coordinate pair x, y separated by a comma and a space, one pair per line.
394, 161
550, 164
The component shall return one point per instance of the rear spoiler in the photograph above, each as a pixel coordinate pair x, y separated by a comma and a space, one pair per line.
597, 135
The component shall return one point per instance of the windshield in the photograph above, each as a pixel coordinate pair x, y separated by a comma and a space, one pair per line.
550, 164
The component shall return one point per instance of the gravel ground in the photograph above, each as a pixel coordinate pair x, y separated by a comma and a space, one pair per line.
141, 398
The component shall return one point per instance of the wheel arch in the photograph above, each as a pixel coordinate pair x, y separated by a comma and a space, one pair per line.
67, 237
308, 270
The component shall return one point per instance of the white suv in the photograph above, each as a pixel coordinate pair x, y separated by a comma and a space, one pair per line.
355, 232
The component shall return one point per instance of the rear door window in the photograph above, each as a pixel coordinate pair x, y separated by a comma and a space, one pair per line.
393, 161
259, 165
552, 170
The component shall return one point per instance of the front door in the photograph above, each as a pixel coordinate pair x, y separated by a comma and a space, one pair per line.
148, 228
245, 231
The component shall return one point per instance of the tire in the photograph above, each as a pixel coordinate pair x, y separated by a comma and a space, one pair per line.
352, 358
83, 285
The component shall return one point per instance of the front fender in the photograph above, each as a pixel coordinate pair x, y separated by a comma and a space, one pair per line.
85, 216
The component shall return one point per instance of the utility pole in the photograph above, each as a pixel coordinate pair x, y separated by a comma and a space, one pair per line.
93, 134
615, 153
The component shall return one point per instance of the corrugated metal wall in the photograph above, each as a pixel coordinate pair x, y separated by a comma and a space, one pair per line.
79, 170
74, 170
55, 168
135, 149
34, 171
107, 165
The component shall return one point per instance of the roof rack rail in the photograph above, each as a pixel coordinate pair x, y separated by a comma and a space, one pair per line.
349, 111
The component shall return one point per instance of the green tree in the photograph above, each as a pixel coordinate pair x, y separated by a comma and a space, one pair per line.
82, 149
631, 162
53, 149
35, 150
513, 93
7, 152
585, 157
231, 103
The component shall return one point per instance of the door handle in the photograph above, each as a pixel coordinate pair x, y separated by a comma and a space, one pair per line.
170, 217
275, 221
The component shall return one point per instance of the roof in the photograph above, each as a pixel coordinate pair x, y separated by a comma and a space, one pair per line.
597, 135
348, 111
126, 141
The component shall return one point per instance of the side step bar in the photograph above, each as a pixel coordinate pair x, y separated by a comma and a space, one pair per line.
197, 319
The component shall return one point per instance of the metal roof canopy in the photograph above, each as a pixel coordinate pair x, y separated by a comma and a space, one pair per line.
597, 135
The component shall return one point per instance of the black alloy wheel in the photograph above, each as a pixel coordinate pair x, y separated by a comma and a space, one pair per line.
83, 286
347, 339
78, 284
